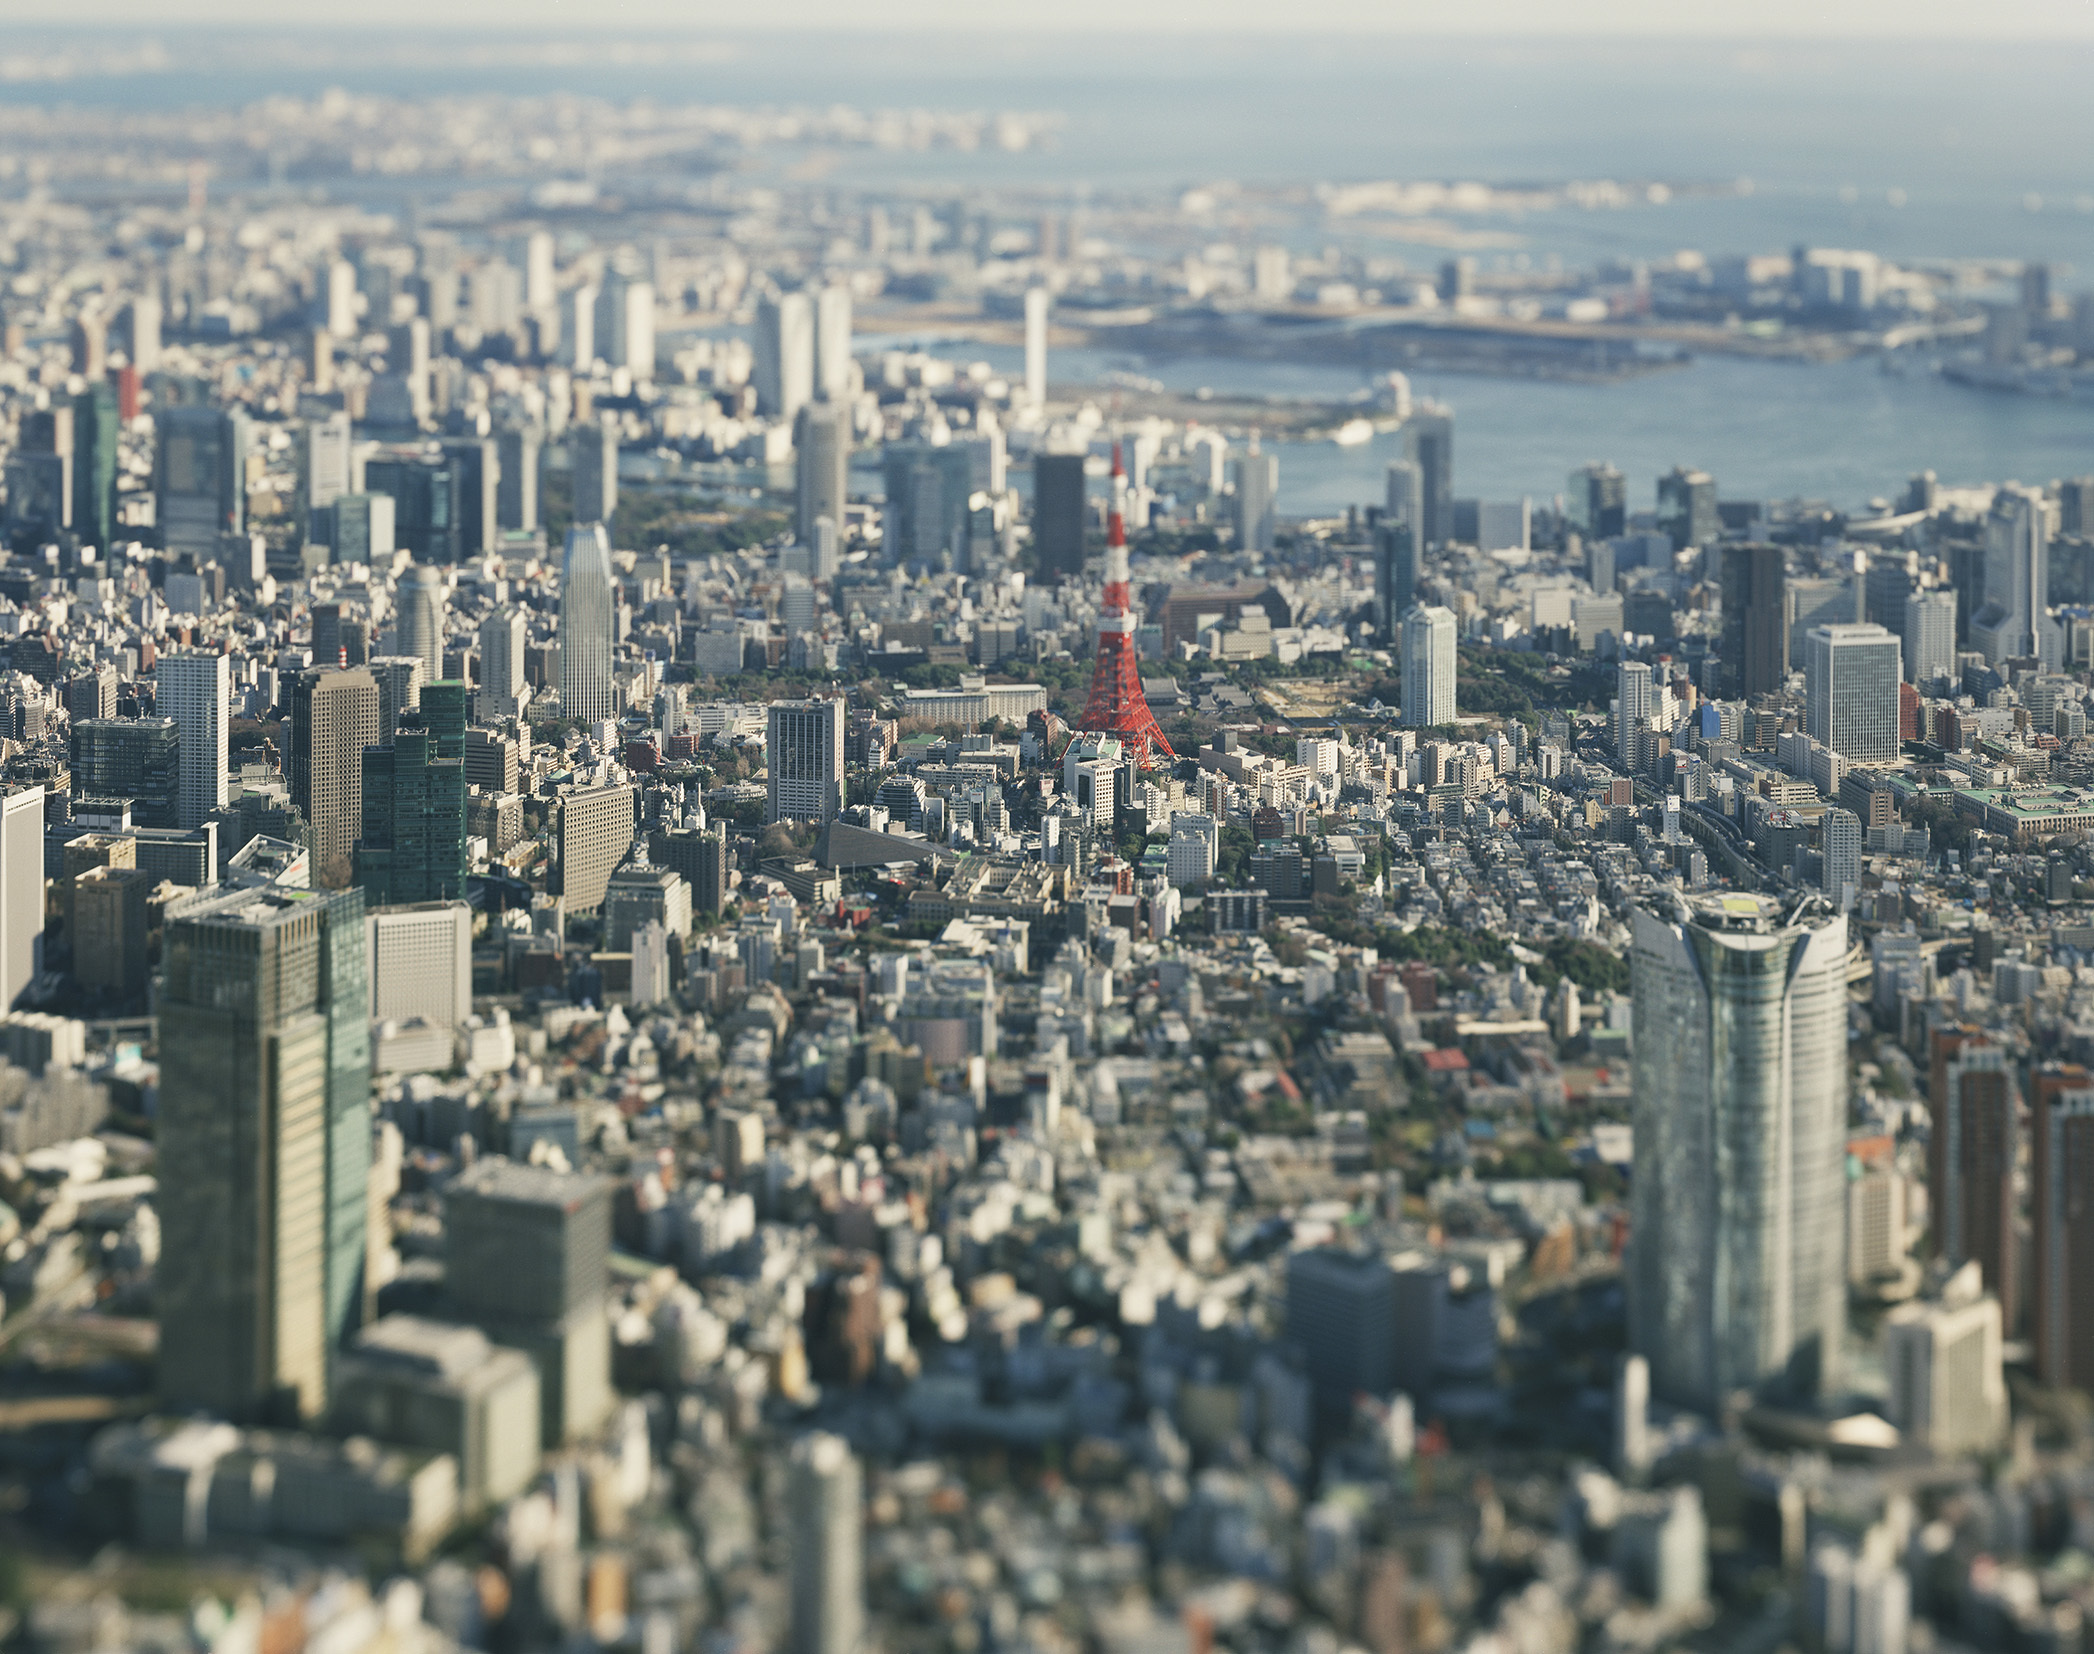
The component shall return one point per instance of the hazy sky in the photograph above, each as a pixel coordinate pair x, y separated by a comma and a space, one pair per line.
1754, 19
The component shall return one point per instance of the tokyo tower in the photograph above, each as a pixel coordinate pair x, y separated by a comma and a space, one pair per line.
1117, 705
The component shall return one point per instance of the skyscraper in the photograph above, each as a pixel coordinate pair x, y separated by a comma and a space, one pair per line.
94, 464
804, 756
1257, 499
21, 892
1930, 635
334, 716
1596, 501
784, 354
586, 623
412, 847
265, 1144
135, 758
1396, 571
1036, 305
821, 467
2013, 623
1851, 675
1429, 660
199, 476
1755, 642
1840, 845
1687, 508
1973, 1152
516, 488
832, 344
477, 461
594, 451
324, 471
824, 1497
502, 638
1736, 1277
595, 831
1428, 443
195, 689
399, 679
2064, 1229
1403, 495
421, 623
1060, 515
1632, 707
1341, 1315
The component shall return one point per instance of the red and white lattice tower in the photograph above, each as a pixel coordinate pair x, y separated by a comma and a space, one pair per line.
1117, 705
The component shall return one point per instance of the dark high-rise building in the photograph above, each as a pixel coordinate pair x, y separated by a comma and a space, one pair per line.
516, 493
413, 844
1891, 579
1596, 501
1755, 620
1972, 1152
477, 462
429, 505
94, 465
340, 636
1060, 514
265, 1148
2063, 1166
134, 758
446, 710
1428, 443
1687, 508
1396, 570
199, 477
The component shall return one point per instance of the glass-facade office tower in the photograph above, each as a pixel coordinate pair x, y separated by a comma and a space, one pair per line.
1687, 508
586, 623
1851, 675
135, 758
1060, 515
1755, 643
265, 1149
199, 477
1396, 571
1428, 443
1428, 666
413, 844
594, 449
1257, 499
805, 761
1737, 1271
2016, 615
1596, 501
94, 464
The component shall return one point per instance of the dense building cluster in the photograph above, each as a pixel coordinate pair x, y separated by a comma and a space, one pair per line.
670, 984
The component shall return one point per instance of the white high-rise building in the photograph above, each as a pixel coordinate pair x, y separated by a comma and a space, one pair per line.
501, 692
824, 1497
1633, 706
1736, 1276
1942, 1361
1428, 650
420, 631
1840, 842
587, 591
1930, 634
21, 892
804, 757
538, 270
1850, 680
324, 462
581, 346
650, 964
341, 298
195, 690
832, 344
1036, 346
784, 354
420, 962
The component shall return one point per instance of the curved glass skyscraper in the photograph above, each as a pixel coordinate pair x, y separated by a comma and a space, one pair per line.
1737, 1270
586, 623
